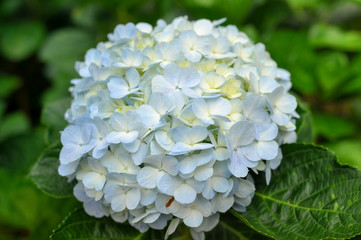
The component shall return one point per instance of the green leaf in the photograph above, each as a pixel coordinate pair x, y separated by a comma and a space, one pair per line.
304, 123
310, 197
45, 175
63, 48
333, 127
25, 212
332, 71
8, 85
79, 225
348, 152
19, 40
53, 114
284, 47
231, 228
13, 124
333, 37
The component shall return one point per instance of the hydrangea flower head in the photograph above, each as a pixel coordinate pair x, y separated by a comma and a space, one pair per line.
167, 123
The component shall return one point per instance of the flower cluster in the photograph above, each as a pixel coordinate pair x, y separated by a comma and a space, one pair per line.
167, 122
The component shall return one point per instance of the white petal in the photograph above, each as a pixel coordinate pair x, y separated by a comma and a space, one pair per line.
193, 56
160, 102
70, 154
118, 203
168, 184
147, 115
132, 77
267, 150
188, 165
159, 84
185, 194
194, 219
71, 135
164, 140
140, 154
170, 165
266, 131
198, 134
180, 148
203, 27
220, 184
221, 154
200, 109
172, 227
124, 137
236, 166
68, 169
242, 133
250, 151
133, 198
208, 191
219, 106
203, 173
189, 77
287, 103
147, 177
279, 118
148, 197
201, 146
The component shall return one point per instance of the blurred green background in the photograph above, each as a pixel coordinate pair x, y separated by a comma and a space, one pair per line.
318, 41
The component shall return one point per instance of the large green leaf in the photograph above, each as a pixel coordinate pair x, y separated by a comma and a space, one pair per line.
285, 48
332, 72
304, 124
8, 85
20, 40
310, 197
45, 175
348, 152
53, 114
333, 37
13, 124
333, 127
62, 49
79, 225
25, 212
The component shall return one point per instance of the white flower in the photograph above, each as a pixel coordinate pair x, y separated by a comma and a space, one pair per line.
241, 134
210, 109
126, 126
187, 139
120, 88
130, 59
123, 33
166, 123
155, 167
281, 105
77, 140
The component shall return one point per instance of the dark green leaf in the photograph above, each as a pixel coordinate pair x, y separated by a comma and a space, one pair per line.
284, 47
333, 127
79, 225
304, 124
20, 40
53, 114
310, 197
45, 175
348, 152
231, 228
13, 124
332, 71
63, 48
8, 85
333, 37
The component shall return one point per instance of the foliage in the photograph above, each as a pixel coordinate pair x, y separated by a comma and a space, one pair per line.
317, 41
